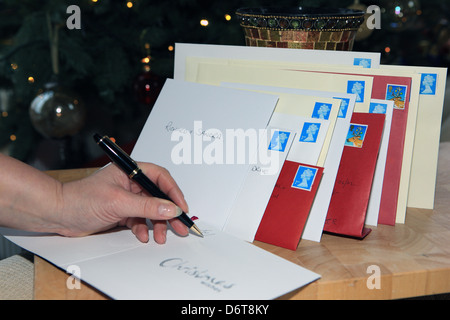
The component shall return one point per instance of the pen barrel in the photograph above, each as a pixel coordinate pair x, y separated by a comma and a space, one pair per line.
117, 155
149, 186
154, 191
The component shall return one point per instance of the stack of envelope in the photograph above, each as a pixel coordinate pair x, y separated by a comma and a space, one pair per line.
360, 143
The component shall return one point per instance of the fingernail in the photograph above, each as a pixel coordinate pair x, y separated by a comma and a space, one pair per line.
179, 211
169, 210
164, 235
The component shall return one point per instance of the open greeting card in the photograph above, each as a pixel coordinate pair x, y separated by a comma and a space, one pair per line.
218, 266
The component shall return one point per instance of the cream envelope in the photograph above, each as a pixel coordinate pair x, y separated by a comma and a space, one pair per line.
314, 225
422, 181
215, 74
386, 107
305, 105
185, 50
252, 199
192, 63
217, 266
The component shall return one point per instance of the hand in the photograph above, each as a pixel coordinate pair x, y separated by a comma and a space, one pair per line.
108, 198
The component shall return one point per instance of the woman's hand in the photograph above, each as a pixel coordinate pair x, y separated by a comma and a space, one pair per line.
32, 200
108, 198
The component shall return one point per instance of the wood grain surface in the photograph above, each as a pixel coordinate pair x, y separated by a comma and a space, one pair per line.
413, 258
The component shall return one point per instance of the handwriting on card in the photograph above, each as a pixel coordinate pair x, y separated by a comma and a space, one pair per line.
204, 276
277, 190
171, 128
262, 170
345, 183
208, 134
331, 221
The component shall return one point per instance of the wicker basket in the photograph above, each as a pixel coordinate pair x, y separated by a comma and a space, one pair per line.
301, 28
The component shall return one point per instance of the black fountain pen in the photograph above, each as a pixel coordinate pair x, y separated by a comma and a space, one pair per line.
130, 167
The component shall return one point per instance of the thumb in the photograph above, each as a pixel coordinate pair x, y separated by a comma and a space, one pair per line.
147, 207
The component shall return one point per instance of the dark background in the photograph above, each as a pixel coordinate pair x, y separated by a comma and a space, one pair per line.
101, 64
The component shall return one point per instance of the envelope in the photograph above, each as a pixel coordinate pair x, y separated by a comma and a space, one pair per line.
401, 141
251, 201
203, 135
386, 107
269, 55
311, 136
214, 74
431, 88
348, 206
319, 108
286, 213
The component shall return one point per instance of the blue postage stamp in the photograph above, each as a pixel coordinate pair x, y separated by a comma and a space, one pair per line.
304, 178
376, 107
357, 87
397, 93
343, 107
321, 110
310, 132
279, 141
428, 83
356, 135
363, 62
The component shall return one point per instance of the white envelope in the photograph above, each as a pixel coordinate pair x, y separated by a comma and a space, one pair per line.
209, 188
373, 208
306, 106
311, 134
250, 204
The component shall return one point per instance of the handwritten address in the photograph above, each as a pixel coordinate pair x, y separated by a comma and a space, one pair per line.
209, 134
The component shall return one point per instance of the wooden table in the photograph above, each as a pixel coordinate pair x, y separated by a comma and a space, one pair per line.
413, 258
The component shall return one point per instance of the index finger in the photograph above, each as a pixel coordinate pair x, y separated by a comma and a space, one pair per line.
165, 182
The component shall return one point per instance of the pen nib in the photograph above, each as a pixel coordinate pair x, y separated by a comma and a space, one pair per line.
197, 230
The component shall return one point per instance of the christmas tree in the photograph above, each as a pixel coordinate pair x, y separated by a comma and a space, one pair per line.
114, 55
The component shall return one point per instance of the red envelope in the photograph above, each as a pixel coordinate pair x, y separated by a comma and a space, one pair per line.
348, 204
289, 205
394, 159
